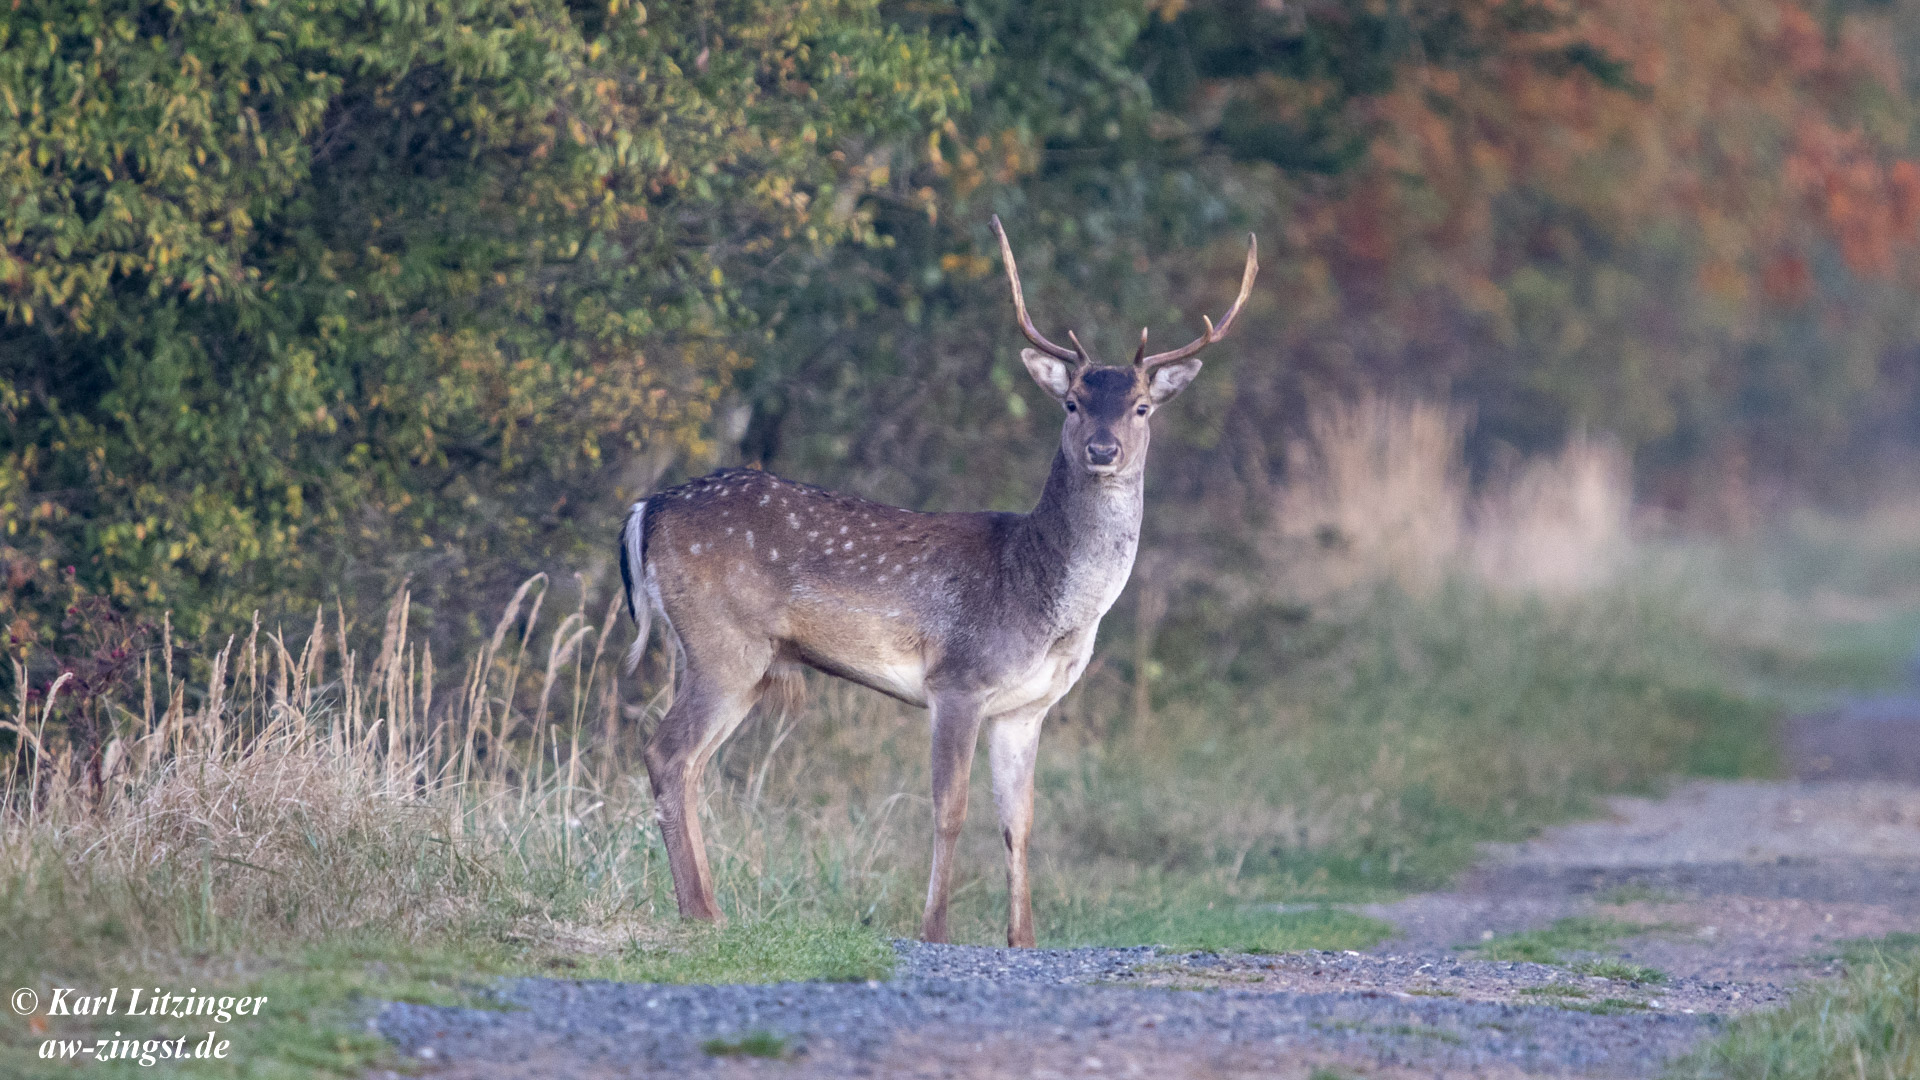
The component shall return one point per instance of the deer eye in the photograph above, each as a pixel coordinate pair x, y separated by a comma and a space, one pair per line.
1071, 407
1141, 410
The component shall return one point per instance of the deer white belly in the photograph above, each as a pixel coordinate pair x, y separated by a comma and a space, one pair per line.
904, 679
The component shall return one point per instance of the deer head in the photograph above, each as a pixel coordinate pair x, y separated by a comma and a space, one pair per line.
1108, 406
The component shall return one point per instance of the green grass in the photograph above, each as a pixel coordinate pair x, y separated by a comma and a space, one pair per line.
1578, 934
1637, 894
1612, 1006
1894, 947
1864, 1024
773, 950
1199, 923
1619, 970
761, 1044
1555, 990
1870, 565
1578, 999
1834, 659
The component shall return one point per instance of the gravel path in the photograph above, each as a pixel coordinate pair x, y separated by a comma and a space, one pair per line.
971, 1011
1738, 892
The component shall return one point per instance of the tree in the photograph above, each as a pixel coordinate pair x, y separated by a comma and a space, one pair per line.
320, 293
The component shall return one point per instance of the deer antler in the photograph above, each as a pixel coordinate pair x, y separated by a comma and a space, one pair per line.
1214, 333
1077, 355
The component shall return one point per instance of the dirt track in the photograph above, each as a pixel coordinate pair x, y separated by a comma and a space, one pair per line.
1744, 889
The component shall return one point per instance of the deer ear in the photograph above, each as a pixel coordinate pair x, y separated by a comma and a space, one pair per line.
1053, 375
1168, 381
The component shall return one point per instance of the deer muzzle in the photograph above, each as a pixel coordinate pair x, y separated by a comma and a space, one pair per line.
1103, 451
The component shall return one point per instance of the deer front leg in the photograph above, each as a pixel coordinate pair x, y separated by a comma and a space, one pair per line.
1013, 744
701, 718
956, 731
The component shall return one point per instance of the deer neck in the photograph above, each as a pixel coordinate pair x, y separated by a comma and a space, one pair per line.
1081, 542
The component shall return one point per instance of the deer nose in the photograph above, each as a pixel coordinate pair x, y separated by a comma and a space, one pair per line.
1103, 451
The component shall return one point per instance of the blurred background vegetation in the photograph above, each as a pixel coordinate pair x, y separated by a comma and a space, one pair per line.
1552, 456
305, 300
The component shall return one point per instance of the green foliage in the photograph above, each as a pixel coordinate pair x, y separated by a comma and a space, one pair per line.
298, 291
761, 951
1612, 1006
301, 300
1555, 990
1866, 1023
1624, 972
1576, 999
764, 1044
1577, 934
1895, 946
1196, 923
1431, 725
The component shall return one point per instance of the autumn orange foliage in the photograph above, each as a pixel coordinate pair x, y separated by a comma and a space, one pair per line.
1715, 86
1621, 238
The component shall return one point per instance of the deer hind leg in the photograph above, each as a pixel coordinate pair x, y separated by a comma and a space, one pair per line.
707, 709
956, 731
1013, 744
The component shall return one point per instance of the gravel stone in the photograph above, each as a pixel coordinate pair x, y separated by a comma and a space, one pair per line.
1073, 998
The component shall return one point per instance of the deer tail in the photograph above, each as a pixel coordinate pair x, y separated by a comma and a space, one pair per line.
633, 578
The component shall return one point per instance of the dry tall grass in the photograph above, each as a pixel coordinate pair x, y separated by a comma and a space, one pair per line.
1377, 491
299, 792
1560, 526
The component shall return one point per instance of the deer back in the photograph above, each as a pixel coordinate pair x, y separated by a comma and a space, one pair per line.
873, 593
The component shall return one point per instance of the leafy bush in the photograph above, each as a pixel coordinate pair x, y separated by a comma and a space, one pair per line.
308, 296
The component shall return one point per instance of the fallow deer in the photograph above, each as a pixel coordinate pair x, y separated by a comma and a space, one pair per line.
983, 618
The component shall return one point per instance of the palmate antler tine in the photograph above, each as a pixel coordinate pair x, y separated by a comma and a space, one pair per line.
1020, 304
1214, 333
